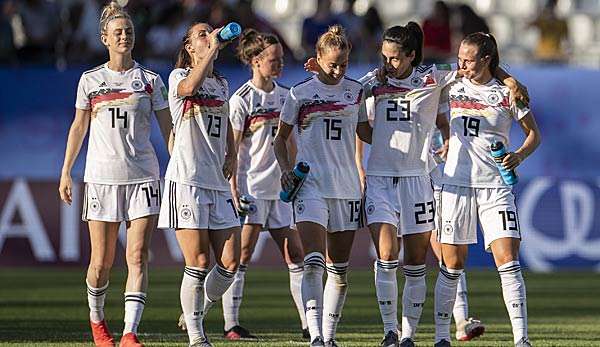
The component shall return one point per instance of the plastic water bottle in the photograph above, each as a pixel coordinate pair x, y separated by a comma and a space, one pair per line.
229, 32
498, 152
300, 173
246, 206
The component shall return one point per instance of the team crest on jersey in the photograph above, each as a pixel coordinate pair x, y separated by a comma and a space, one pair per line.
186, 213
494, 98
137, 85
348, 96
448, 229
416, 82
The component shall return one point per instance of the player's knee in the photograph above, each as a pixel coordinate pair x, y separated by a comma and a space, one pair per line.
387, 255
296, 256
99, 270
415, 259
137, 259
454, 263
230, 263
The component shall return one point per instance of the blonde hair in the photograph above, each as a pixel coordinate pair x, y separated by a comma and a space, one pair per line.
335, 37
111, 11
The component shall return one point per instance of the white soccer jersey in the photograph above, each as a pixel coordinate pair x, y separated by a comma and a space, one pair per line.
200, 126
326, 118
479, 115
256, 113
121, 104
404, 117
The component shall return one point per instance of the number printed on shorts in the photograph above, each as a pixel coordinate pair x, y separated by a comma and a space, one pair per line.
509, 220
333, 130
424, 212
354, 206
397, 111
152, 194
214, 125
115, 114
471, 126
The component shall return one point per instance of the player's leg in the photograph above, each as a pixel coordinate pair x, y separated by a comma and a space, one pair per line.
232, 299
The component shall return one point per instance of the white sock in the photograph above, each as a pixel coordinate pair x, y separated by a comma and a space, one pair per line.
96, 297
386, 287
232, 299
515, 297
445, 295
134, 307
296, 271
413, 298
312, 292
192, 300
217, 282
334, 297
461, 305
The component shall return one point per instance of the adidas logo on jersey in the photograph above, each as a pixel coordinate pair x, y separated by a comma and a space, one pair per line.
102, 85
316, 96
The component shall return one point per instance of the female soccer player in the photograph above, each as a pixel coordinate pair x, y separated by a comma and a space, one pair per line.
480, 114
197, 202
328, 111
116, 101
399, 196
254, 113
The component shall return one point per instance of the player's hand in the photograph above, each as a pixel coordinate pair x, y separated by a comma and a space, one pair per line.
311, 65
229, 166
518, 92
512, 160
64, 188
236, 198
443, 151
287, 180
213, 41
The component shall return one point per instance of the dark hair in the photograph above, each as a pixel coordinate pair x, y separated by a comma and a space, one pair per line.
184, 59
253, 43
409, 37
486, 46
335, 37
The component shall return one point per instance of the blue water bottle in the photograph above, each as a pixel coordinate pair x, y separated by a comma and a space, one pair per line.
498, 152
229, 32
300, 173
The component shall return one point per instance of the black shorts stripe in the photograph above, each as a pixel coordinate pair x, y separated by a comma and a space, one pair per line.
438, 235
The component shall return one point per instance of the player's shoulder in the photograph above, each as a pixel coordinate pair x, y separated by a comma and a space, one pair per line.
96, 70
179, 73
303, 84
352, 82
243, 91
146, 71
282, 86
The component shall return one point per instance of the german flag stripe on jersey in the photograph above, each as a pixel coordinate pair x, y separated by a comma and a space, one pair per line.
196, 104
108, 98
255, 122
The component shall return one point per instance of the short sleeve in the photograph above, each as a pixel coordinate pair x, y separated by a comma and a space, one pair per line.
160, 95
445, 73
368, 81
237, 112
289, 111
444, 103
82, 101
362, 109
520, 110
175, 77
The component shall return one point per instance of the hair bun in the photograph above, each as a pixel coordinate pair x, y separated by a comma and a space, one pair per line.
336, 29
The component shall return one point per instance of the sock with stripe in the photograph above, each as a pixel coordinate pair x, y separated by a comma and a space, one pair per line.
217, 282
386, 287
461, 304
296, 271
192, 300
334, 297
134, 307
312, 292
445, 295
96, 297
413, 298
515, 297
232, 299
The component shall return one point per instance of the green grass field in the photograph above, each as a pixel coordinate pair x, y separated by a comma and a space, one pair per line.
47, 307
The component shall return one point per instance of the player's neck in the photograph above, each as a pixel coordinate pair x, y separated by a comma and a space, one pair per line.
483, 78
263, 83
120, 62
405, 74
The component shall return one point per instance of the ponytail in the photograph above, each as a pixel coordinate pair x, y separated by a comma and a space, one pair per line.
486, 46
409, 38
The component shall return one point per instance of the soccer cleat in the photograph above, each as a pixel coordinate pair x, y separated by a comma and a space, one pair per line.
238, 333
130, 340
523, 342
201, 342
331, 343
469, 329
442, 343
407, 342
306, 334
390, 339
101, 334
181, 323
317, 342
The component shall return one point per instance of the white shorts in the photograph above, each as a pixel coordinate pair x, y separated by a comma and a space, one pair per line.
270, 214
405, 202
333, 214
461, 206
189, 207
118, 203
